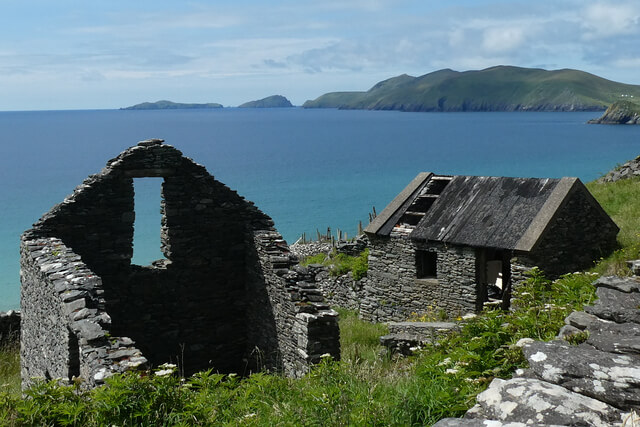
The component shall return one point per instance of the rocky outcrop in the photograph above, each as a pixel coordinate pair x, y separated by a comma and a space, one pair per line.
529, 400
628, 170
619, 113
596, 383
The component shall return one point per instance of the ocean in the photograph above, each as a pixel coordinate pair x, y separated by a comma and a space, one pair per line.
307, 169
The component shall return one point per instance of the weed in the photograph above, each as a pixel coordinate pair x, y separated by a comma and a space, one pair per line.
340, 264
10, 369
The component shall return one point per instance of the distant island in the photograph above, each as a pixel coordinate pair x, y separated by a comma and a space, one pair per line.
501, 88
620, 113
274, 101
168, 105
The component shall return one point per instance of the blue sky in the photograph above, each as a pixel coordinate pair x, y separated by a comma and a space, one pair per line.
109, 54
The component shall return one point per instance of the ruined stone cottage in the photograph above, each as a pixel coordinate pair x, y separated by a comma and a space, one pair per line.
451, 243
224, 298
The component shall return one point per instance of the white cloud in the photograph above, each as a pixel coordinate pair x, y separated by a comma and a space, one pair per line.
627, 62
611, 19
323, 46
503, 39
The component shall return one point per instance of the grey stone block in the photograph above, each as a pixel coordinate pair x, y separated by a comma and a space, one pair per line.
614, 379
532, 401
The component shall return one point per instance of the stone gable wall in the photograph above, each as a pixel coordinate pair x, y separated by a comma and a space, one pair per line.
578, 236
210, 303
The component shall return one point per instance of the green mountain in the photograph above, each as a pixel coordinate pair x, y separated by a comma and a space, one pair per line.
168, 105
501, 88
620, 113
275, 101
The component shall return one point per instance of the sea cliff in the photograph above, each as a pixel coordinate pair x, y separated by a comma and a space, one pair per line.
620, 113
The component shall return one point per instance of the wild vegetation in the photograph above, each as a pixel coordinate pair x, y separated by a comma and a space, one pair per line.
10, 369
501, 88
364, 388
340, 264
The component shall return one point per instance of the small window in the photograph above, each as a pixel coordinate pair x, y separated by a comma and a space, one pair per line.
426, 264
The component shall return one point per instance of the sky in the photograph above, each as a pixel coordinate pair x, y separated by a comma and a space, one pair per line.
109, 54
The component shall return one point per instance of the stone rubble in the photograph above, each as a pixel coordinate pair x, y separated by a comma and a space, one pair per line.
596, 383
628, 170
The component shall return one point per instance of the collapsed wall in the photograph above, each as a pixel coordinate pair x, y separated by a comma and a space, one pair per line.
223, 297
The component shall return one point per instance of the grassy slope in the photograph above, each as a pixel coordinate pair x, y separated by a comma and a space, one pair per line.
493, 89
621, 200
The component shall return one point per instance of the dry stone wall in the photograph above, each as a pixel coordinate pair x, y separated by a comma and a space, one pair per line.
65, 328
342, 291
305, 328
628, 170
223, 298
392, 291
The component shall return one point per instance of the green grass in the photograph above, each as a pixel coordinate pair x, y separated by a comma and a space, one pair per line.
10, 370
359, 340
621, 200
340, 264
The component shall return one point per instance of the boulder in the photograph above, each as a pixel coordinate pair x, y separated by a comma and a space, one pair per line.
622, 284
568, 331
623, 338
582, 320
464, 422
614, 379
535, 402
615, 305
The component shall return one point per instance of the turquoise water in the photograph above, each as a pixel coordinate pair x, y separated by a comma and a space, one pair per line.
307, 169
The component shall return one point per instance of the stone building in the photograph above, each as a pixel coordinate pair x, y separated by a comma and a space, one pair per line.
448, 244
223, 298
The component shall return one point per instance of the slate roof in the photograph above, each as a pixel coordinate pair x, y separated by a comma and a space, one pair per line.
481, 211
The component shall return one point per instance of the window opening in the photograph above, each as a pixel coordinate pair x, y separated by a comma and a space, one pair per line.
426, 264
74, 356
148, 219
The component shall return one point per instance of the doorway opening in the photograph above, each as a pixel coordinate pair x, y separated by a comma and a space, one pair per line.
493, 278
